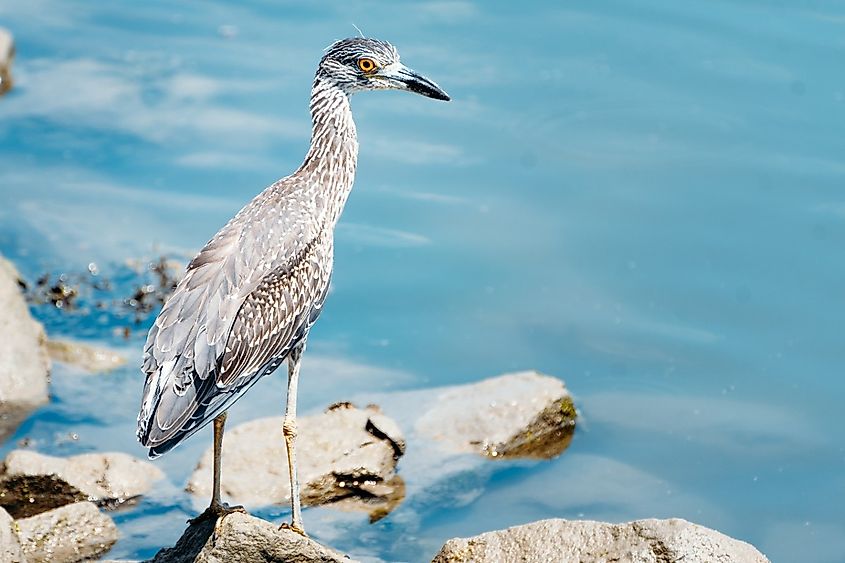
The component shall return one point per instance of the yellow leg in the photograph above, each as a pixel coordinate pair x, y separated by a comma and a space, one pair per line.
217, 508
289, 432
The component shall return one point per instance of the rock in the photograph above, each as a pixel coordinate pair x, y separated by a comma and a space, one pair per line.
89, 358
243, 538
101, 477
343, 453
10, 541
24, 365
7, 54
74, 532
28, 495
523, 414
643, 541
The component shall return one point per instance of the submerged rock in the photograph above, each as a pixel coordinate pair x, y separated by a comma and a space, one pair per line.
24, 365
643, 541
243, 538
343, 453
89, 358
75, 532
7, 55
523, 414
106, 478
10, 541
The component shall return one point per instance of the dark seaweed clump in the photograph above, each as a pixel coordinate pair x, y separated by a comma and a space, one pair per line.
123, 299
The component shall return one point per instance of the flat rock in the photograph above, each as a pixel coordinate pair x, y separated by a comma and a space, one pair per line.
74, 532
7, 54
100, 477
343, 453
523, 414
10, 541
243, 538
89, 358
643, 541
24, 365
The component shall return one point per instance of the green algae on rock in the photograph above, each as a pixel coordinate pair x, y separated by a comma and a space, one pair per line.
525, 414
545, 437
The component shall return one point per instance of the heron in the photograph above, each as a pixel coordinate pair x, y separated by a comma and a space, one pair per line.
249, 298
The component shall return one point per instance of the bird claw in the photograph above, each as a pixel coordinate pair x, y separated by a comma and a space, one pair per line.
291, 527
216, 510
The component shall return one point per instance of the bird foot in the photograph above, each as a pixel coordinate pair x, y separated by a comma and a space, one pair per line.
216, 510
291, 527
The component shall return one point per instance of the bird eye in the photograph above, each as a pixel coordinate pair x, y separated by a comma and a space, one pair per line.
366, 65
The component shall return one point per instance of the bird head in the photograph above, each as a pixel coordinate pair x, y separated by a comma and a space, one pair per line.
358, 64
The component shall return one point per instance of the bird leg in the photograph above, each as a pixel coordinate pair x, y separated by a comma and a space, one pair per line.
217, 509
289, 432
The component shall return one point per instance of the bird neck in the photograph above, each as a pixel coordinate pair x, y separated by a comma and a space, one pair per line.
333, 155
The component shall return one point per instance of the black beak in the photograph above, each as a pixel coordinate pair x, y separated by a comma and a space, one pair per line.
419, 84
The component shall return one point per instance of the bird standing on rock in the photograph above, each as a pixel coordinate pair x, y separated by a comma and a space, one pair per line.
249, 298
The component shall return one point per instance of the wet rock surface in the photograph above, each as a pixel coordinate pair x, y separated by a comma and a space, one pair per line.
345, 453
7, 55
107, 478
643, 541
89, 358
523, 414
24, 365
75, 532
243, 538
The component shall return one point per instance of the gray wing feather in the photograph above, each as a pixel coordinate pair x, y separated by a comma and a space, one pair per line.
276, 314
240, 305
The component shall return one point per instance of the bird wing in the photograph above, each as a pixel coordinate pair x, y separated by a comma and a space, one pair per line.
277, 314
240, 305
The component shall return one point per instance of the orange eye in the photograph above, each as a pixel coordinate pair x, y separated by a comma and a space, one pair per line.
366, 65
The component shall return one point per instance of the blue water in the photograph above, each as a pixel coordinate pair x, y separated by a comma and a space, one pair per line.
645, 199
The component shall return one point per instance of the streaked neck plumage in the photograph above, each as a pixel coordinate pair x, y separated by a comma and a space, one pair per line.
333, 155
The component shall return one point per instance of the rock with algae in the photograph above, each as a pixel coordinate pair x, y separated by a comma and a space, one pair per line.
102, 477
28, 495
241, 538
24, 365
344, 453
643, 541
74, 532
525, 414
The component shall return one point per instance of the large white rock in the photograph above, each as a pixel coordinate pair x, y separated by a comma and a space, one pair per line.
100, 476
343, 452
241, 538
10, 541
74, 532
24, 365
643, 541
